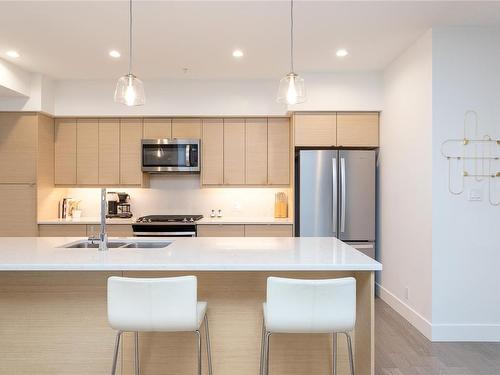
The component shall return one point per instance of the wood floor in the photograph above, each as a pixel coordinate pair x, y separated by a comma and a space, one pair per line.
401, 350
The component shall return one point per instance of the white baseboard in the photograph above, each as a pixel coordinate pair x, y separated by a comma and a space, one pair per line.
440, 332
407, 312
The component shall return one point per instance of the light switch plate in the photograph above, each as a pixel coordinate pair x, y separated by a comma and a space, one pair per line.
475, 195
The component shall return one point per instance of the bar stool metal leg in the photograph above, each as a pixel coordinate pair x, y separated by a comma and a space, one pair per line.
334, 353
209, 349
268, 335
115, 355
198, 350
136, 357
349, 346
262, 347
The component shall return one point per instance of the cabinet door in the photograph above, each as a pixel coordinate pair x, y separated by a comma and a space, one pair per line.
186, 128
268, 230
357, 129
234, 151
212, 164
256, 151
65, 152
109, 151
18, 216
278, 131
221, 230
62, 230
315, 129
130, 151
18, 142
87, 152
157, 128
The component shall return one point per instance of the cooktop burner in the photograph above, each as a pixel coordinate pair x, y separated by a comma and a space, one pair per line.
169, 218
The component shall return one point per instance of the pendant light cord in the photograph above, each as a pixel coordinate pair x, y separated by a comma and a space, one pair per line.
291, 35
130, 39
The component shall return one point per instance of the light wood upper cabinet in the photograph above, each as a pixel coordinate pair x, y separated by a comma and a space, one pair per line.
130, 151
186, 128
234, 151
357, 129
65, 152
212, 166
157, 128
278, 131
18, 204
87, 152
256, 151
315, 129
109, 151
18, 141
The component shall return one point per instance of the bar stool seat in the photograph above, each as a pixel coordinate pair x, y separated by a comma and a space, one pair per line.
309, 306
156, 305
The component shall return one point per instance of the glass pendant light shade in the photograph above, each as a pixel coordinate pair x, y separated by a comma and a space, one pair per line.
130, 91
291, 90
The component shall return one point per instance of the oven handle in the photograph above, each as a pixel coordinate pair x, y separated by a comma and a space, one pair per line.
188, 161
156, 234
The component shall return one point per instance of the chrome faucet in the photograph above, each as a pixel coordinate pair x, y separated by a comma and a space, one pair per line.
103, 237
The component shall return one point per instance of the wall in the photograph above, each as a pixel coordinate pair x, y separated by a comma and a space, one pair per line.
14, 80
38, 98
466, 235
405, 186
347, 91
183, 195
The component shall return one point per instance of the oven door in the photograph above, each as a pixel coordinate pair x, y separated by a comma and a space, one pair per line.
162, 230
170, 155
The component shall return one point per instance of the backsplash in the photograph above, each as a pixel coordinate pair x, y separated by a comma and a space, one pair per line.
183, 195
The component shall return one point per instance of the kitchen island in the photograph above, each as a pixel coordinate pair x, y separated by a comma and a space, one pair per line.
53, 305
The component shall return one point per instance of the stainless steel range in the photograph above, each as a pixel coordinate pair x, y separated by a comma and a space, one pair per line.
166, 226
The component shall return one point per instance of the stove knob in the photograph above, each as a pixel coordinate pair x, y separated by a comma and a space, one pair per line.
149, 220
191, 220
185, 220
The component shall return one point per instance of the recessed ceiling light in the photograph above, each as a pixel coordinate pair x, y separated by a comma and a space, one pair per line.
237, 53
13, 54
342, 52
114, 53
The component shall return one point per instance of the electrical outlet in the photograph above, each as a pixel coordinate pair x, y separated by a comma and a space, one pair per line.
407, 293
237, 206
475, 195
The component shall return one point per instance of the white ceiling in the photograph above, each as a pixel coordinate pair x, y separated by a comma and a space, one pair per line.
71, 39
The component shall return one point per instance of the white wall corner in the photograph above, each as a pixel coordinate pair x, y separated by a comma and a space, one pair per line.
14, 81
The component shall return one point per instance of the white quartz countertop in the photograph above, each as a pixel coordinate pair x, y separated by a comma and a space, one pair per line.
188, 254
205, 220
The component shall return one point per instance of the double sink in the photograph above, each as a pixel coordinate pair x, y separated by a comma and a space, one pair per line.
118, 244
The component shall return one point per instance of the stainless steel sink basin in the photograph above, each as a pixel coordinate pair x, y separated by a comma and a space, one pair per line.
136, 244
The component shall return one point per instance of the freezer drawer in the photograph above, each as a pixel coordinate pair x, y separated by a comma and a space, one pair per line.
367, 248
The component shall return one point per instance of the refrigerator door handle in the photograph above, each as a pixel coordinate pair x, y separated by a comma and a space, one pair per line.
342, 195
334, 195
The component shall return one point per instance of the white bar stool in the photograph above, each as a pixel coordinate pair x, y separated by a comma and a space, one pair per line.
156, 305
309, 306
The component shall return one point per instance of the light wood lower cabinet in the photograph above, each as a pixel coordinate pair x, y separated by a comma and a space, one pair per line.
220, 230
268, 230
244, 230
83, 230
62, 230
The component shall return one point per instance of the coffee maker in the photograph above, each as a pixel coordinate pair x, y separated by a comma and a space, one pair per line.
118, 205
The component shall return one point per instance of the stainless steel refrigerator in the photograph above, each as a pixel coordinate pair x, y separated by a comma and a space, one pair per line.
335, 196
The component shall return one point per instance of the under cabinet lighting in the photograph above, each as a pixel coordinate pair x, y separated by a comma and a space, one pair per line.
114, 53
342, 52
237, 53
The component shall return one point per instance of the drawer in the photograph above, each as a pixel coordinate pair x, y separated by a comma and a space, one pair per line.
268, 230
113, 230
221, 230
62, 230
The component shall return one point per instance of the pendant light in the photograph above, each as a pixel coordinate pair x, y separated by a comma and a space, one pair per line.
129, 88
291, 89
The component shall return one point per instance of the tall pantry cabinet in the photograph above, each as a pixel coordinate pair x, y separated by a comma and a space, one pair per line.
26, 170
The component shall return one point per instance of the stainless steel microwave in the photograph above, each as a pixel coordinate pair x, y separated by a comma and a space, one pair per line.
171, 155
